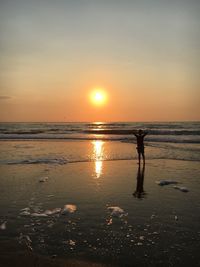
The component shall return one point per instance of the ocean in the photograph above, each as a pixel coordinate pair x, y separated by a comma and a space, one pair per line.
173, 140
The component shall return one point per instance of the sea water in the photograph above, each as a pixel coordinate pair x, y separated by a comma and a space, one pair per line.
174, 140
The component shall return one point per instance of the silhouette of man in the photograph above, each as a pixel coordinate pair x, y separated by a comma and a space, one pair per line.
140, 144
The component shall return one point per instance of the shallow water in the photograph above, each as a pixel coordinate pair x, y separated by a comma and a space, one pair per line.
159, 225
63, 152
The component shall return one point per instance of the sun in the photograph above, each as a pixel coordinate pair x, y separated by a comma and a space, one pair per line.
98, 97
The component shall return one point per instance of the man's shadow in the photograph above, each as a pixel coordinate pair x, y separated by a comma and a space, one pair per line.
139, 192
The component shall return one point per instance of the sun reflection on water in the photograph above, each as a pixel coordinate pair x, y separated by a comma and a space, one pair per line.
98, 157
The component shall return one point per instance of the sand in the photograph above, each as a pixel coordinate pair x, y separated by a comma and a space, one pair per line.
159, 225
13, 254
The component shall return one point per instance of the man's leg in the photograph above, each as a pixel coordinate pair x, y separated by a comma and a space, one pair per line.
139, 156
143, 156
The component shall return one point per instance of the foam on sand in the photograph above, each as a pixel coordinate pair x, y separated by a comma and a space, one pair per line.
43, 179
53, 211
57, 161
3, 226
165, 182
181, 188
117, 211
25, 239
25, 213
69, 208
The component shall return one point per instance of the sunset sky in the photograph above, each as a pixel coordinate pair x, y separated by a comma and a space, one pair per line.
144, 55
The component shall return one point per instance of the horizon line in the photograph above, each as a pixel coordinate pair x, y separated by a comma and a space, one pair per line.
153, 121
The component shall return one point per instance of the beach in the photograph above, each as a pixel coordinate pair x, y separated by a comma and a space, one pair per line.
99, 133
84, 202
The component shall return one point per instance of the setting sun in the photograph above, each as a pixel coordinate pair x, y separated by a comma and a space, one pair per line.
98, 97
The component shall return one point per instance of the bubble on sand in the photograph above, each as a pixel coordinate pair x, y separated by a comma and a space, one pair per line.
155, 233
35, 214
25, 239
3, 226
166, 182
117, 211
50, 225
181, 188
37, 209
109, 222
53, 211
72, 243
25, 209
25, 213
69, 208
43, 179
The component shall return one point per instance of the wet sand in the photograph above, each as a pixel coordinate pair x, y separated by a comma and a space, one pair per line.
14, 255
159, 226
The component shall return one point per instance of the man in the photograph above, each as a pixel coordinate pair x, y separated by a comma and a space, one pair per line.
140, 144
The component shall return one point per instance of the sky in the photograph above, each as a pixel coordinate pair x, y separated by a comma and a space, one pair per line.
143, 53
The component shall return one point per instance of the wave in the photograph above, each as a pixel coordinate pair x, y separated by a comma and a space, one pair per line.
187, 148
63, 161
157, 139
59, 161
150, 132
171, 139
122, 131
99, 131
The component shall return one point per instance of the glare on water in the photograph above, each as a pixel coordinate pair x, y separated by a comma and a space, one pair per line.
98, 156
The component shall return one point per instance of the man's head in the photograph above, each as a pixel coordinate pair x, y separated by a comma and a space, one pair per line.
140, 131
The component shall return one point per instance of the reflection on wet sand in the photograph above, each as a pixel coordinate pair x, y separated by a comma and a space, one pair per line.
139, 192
98, 156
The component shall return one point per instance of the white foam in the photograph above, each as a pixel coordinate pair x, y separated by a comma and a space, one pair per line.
109, 221
3, 226
69, 208
25, 239
43, 179
117, 211
53, 211
181, 188
72, 242
59, 161
25, 209
166, 182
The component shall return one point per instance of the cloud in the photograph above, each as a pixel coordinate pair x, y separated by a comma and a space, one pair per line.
5, 97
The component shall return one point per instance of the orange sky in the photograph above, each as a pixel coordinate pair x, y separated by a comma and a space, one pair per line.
144, 55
